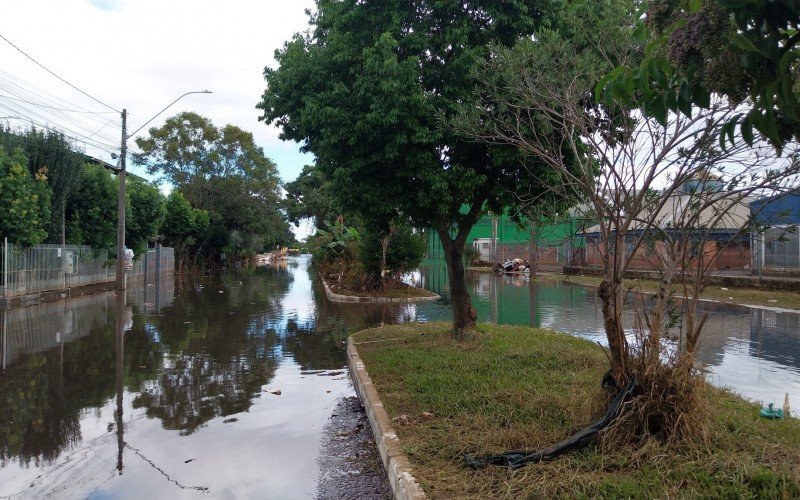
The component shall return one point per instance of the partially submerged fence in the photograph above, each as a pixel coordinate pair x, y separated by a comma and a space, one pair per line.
45, 268
560, 253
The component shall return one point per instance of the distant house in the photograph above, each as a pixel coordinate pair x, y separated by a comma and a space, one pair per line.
776, 249
723, 239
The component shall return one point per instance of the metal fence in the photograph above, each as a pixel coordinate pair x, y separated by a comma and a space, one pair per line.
555, 255
44, 268
154, 262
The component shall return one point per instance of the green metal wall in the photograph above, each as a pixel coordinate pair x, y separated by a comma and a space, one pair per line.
509, 233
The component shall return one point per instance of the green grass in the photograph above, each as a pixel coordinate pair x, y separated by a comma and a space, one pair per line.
523, 388
749, 296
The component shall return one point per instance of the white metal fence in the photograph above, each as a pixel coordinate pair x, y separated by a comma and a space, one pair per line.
45, 268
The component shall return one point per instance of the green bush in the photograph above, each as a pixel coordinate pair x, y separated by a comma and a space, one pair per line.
404, 254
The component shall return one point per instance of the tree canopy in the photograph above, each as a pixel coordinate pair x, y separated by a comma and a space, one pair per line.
310, 197
367, 90
24, 200
745, 50
220, 170
64, 162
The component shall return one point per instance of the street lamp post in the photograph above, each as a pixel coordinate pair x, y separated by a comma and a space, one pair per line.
120, 281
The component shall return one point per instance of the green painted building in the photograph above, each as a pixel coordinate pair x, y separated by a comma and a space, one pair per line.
556, 242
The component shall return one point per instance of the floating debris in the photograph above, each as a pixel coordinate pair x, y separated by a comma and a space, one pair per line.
771, 412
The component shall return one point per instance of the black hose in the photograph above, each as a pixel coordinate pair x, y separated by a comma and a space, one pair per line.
517, 459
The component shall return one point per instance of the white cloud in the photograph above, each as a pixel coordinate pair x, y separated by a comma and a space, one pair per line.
108, 4
141, 55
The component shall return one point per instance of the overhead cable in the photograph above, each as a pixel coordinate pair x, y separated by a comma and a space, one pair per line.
55, 75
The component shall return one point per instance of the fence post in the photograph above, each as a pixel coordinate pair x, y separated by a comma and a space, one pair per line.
4, 327
158, 261
144, 267
158, 276
5, 267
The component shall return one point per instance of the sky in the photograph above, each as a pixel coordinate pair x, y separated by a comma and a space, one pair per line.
140, 55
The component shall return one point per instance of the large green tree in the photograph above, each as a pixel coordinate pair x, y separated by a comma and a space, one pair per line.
24, 200
223, 172
310, 197
91, 210
145, 214
63, 161
367, 90
185, 228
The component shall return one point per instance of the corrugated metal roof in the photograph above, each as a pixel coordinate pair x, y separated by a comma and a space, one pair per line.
723, 213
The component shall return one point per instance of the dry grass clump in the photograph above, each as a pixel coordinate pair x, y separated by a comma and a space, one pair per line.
667, 405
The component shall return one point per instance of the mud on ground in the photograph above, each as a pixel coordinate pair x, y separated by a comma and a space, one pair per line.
350, 467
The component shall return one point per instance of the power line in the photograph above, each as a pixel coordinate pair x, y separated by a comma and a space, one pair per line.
61, 118
21, 91
85, 141
55, 108
33, 116
55, 75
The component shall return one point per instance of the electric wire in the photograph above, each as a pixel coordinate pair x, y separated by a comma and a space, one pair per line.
87, 144
58, 116
43, 121
55, 75
22, 94
53, 107
95, 132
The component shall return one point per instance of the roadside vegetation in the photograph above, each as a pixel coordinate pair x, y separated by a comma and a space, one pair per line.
657, 122
355, 262
524, 388
224, 207
742, 296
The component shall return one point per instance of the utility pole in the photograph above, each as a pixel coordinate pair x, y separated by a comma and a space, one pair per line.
121, 206
121, 178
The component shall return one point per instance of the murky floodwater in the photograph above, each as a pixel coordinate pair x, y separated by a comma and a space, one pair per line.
199, 368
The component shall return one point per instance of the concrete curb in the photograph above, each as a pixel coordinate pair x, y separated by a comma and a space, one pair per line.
335, 297
395, 461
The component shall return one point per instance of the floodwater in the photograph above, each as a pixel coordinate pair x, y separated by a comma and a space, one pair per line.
225, 387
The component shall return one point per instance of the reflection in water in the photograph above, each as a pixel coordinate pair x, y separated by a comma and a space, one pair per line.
185, 357
177, 393
755, 352
119, 373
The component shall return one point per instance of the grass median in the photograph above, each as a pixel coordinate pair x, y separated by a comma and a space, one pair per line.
525, 388
742, 296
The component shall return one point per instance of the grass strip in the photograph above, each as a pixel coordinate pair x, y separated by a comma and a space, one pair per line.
740, 296
526, 388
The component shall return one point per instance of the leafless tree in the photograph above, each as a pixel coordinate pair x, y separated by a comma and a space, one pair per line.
676, 195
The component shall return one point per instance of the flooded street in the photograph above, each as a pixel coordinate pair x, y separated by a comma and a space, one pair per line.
226, 387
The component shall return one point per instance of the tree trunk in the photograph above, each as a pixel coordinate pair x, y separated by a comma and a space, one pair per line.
384, 249
534, 253
610, 294
464, 316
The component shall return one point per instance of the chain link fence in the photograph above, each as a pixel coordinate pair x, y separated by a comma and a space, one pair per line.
44, 268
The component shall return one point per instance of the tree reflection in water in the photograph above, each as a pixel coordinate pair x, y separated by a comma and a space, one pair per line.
221, 350
42, 394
